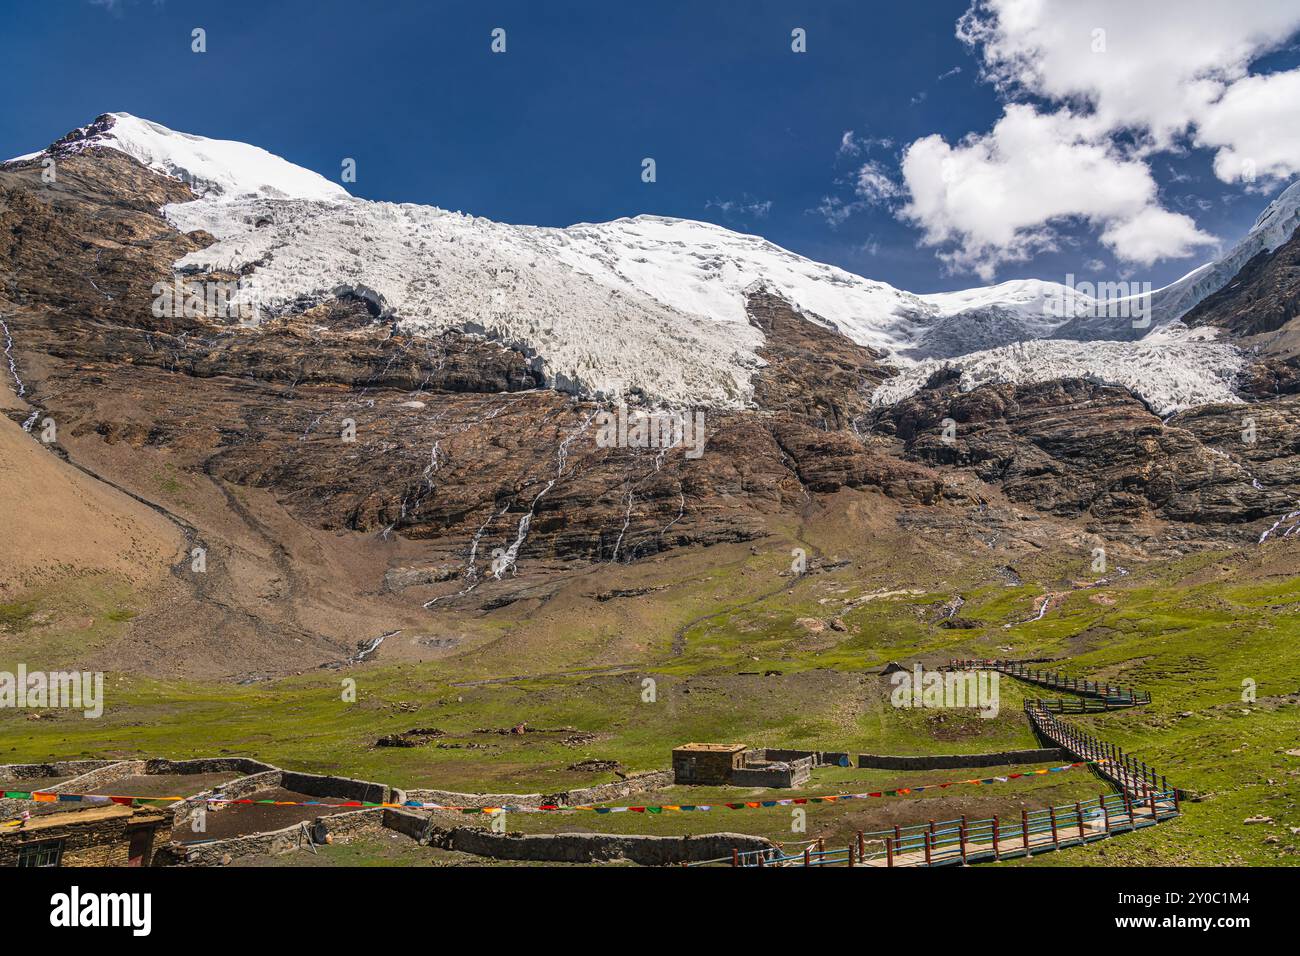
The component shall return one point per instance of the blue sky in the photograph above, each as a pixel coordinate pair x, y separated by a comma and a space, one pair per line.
744, 132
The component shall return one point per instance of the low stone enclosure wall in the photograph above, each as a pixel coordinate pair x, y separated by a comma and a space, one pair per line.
15, 772
18, 776
338, 827
820, 758
312, 784
633, 783
574, 847
89, 775
765, 768
761, 768
772, 767
1003, 758
420, 825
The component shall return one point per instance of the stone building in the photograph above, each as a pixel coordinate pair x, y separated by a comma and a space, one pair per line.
97, 836
738, 766
710, 764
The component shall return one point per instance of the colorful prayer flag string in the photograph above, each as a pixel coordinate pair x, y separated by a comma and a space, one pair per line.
136, 801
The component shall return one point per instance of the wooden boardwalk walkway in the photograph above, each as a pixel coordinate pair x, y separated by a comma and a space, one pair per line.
962, 842
1142, 797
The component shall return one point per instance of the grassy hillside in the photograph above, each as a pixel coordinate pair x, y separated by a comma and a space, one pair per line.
774, 671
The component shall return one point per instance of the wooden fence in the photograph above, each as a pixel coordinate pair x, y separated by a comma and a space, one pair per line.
963, 841
1084, 705
1144, 797
1131, 775
1117, 694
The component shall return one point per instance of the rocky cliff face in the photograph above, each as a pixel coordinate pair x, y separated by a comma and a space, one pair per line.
1261, 303
354, 427
1075, 448
326, 426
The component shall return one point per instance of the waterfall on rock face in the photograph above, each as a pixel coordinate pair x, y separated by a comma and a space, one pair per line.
19, 388
511, 555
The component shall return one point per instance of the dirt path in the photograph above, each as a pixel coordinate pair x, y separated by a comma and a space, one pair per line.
679, 636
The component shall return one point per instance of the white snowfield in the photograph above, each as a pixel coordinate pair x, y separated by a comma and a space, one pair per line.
1169, 373
656, 306
435, 270
214, 168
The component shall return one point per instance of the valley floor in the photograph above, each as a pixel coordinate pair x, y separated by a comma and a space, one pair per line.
1211, 636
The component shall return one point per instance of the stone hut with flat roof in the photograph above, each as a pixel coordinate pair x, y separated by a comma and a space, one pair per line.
709, 764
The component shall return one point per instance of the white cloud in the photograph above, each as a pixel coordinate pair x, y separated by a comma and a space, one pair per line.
1255, 126
1124, 80
996, 198
1154, 234
1153, 66
873, 183
746, 207
835, 210
854, 144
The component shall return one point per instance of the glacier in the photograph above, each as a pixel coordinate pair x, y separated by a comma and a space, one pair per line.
649, 307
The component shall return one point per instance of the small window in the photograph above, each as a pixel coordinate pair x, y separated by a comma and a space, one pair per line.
45, 853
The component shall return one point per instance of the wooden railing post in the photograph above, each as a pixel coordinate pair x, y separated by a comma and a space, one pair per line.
862, 846
997, 853
928, 837
1056, 840
1105, 813
807, 855
1078, 810
735, 857
1154, 815
961, 836
889, 851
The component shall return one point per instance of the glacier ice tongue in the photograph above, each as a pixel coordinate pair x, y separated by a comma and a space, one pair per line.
652, 307
1172, 372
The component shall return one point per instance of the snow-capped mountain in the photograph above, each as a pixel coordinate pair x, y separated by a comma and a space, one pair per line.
213, 168
646, 305
1275, 225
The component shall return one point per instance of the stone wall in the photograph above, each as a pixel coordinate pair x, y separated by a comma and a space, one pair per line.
634, 783
219, 852
820, 758
316, 785
240, 765
412, 823
100, 777
323, 785
339, 827
234, 790
591, 847
17, 776
960, 761
782, 774
16, 772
